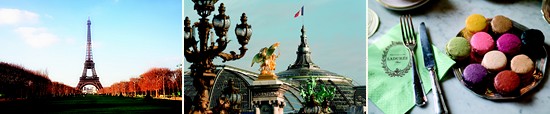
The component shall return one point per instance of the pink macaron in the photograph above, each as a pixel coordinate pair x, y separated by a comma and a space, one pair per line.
509, 44
482, 43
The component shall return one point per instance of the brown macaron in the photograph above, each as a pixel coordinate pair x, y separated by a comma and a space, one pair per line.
501, 24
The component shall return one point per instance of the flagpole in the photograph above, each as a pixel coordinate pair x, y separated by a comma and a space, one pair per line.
303, 18
302, 11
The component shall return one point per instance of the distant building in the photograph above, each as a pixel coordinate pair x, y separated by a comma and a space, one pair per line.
89, 90
303, 68
349, 98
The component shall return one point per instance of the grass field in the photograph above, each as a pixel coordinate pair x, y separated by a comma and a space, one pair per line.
93, 104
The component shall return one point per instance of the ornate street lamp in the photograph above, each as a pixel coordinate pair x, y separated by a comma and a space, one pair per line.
221, 22
243, 31
204, 7
202, 56
230, 100
233, 96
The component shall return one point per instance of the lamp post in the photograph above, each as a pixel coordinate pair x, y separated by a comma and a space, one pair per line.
233, 97
201, 57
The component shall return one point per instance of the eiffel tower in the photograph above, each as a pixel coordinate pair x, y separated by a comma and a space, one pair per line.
89, 65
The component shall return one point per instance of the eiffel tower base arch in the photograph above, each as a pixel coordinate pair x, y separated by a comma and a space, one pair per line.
92, 81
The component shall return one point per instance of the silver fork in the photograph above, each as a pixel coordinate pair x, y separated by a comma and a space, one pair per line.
409, 40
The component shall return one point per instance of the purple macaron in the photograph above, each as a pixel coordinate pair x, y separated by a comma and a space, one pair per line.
509, 44
474, 74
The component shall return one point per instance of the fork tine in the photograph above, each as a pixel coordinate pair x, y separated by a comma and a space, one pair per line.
407, 28
403, 30
406, 23
413, 36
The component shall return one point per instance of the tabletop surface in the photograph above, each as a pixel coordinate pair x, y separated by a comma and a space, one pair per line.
444, 18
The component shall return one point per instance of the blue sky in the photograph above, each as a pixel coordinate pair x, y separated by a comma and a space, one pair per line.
335, 30
128, 37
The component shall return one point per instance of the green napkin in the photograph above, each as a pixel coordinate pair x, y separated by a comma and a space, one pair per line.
390, 79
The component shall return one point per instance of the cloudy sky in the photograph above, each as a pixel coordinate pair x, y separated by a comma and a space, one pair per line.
335, 30
128, 37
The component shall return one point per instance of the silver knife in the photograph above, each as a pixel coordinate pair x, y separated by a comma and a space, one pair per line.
429, 61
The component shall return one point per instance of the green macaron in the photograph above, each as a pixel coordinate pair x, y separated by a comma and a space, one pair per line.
458, 48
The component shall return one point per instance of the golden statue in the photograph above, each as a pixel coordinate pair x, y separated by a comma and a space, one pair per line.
266, 58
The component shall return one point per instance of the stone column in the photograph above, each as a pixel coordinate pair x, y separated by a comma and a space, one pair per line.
256, 106
270, 93
280, 105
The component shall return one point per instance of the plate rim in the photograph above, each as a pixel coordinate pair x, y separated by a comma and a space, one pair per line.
403, 8
376, 23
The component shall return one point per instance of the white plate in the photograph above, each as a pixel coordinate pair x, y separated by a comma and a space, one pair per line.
372, 23
402, 4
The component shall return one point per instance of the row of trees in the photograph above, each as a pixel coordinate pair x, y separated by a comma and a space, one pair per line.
18, 82
155, 81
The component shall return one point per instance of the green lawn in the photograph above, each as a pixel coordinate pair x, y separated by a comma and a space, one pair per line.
92, 104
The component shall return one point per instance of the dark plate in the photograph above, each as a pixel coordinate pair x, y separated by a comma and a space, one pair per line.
488, 92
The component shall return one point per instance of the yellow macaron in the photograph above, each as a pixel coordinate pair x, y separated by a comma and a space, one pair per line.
476, 23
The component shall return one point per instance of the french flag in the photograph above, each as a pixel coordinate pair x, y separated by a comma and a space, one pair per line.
300, 12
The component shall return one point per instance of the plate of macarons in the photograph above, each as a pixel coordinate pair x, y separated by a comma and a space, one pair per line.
498, 58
